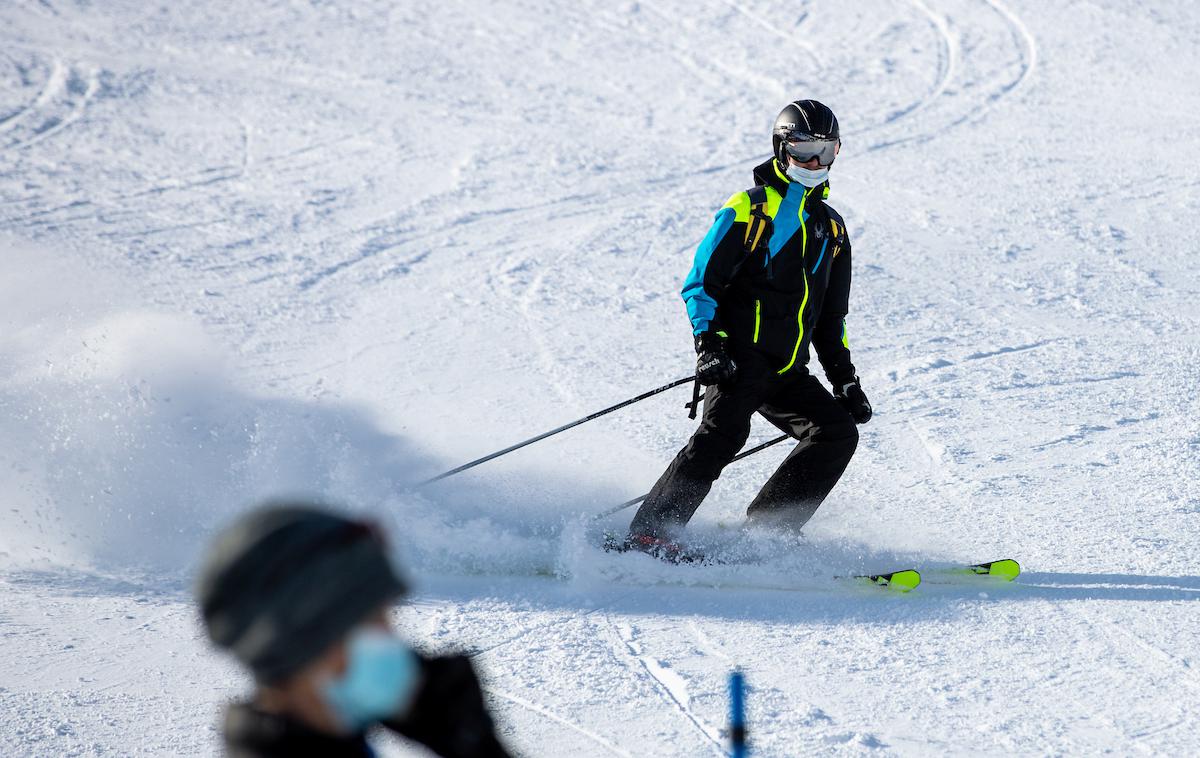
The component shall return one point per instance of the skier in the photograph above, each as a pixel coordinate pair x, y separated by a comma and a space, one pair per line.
300, 596
771, 277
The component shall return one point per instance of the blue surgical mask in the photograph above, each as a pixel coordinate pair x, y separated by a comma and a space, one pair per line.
379, 682
806, 176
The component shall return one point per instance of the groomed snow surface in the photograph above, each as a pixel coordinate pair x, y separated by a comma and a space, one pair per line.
297, 246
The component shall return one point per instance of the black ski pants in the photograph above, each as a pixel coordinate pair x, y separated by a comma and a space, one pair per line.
800, 406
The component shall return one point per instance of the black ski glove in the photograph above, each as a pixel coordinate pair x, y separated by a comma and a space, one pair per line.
713, 364
854, 400
449, 716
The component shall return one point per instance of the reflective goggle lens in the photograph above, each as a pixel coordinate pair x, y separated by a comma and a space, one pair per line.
804, 150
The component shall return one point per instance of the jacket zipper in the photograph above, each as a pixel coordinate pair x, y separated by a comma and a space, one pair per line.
804, 273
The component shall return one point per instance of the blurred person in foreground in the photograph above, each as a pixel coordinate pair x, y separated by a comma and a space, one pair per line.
300, 596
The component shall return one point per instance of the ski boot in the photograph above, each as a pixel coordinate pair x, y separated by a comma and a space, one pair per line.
656, 547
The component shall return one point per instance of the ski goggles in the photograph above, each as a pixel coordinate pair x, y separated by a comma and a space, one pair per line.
803, 149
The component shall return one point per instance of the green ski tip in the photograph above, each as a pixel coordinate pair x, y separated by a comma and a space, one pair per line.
900, 581
1006, 569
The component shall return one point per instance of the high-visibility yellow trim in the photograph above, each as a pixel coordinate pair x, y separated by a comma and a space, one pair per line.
774, 199
800, 321
803, 227
899, 581
905, 581
757, 318
780, 174
803, 272
740, 202
845, 336
1006, 569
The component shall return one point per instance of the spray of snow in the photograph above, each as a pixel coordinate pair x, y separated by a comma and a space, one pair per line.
130, 439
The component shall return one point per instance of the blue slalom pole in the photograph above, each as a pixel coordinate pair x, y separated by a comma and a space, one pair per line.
737, 715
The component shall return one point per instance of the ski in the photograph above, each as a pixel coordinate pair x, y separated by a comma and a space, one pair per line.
1003, 570
899, 581
896, 581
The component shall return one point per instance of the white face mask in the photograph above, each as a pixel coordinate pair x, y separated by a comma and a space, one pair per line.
806, 176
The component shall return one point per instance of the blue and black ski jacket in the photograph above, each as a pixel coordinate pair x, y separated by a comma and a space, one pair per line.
793, 290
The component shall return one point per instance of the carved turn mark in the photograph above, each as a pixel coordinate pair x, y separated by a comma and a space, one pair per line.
61, 101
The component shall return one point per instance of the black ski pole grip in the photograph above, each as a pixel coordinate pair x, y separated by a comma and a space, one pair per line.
695, 398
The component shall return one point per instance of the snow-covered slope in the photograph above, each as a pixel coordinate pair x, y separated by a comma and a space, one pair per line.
338, 247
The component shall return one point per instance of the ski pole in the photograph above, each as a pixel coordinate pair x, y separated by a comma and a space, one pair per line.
553, 432
696, 396
737, 715
738, 457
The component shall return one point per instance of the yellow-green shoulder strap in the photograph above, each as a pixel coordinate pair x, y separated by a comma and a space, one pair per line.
759, 222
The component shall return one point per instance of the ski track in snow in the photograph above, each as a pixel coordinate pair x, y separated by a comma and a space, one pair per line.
419, 232
671, 684
950, 58
61, 102
547, 713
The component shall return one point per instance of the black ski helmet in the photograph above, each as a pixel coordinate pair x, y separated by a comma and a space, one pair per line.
803, 120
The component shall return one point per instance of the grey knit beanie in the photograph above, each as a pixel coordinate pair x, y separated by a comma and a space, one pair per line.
287, 580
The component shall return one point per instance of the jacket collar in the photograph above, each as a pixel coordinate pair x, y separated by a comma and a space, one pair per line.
249, 730
770, 174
